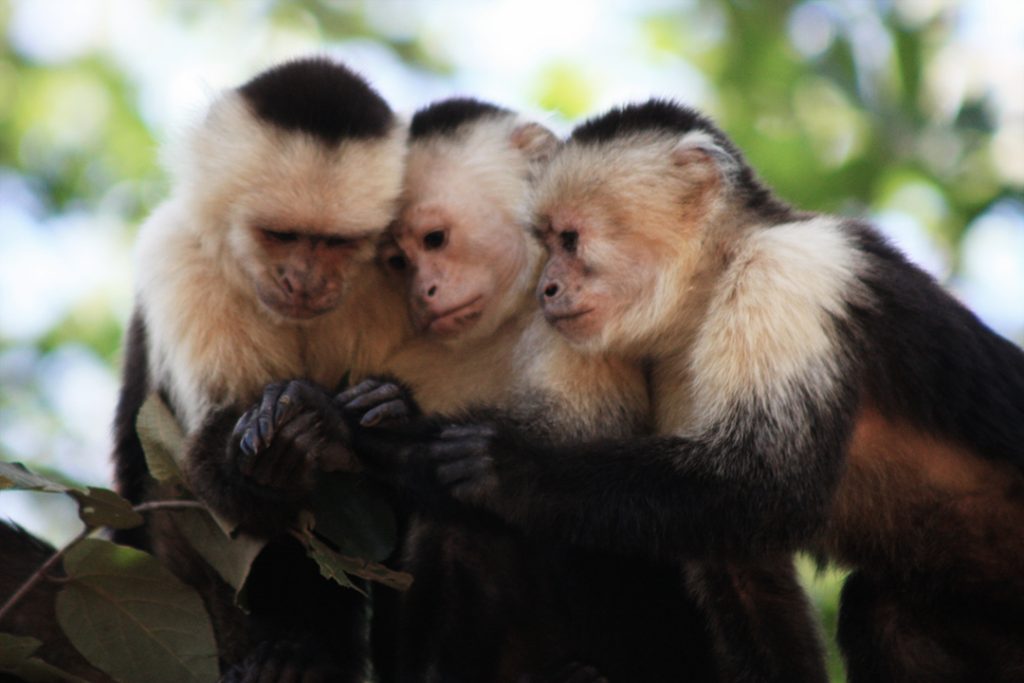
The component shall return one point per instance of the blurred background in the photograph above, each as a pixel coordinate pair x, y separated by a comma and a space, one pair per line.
909, 112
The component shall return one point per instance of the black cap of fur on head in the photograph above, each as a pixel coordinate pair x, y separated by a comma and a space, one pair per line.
665, 116
654, 115
445, 117
320, 97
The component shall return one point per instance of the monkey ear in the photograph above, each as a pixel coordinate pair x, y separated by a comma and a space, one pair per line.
701, 155
535, 141
699, 147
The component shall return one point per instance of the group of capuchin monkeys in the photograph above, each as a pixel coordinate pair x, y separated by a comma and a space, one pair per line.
607, 486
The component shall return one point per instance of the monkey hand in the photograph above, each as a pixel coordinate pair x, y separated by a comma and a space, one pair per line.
412, 452
294, 429
463, 462
377, 402
454, 462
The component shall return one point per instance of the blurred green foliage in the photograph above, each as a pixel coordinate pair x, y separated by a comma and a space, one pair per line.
843, 124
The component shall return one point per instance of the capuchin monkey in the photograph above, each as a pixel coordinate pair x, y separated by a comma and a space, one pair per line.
812, 389
489, 604
261, 267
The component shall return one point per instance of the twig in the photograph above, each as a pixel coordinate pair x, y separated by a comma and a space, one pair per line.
169, 505
39, 574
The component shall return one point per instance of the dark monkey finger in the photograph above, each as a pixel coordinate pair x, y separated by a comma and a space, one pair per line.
297, 396
381, 394
244, 433
265, 426
352, 393
457, 432
291, 453
390, 411
467, 470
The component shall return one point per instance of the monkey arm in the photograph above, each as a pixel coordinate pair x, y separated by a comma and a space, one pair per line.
756, 481
213, 472
659, 496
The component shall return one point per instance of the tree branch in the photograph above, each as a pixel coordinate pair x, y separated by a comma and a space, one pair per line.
39, 574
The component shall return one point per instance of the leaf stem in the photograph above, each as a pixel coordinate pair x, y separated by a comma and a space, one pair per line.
39, 574
169, 505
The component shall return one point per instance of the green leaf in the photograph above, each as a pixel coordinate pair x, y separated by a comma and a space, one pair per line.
231, 557
103, 507
354, 514
334, 565
372, 571
96, 506
130, 617
14, 475
329, 562
163, 440
16, 657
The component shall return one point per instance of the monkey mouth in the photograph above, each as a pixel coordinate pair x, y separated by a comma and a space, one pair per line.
302, 312
297, 311
454, 319
562, 318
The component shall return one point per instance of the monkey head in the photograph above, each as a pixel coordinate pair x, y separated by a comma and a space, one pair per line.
461, 232
292, 178
634, 210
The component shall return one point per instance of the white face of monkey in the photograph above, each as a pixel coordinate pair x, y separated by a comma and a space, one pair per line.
624, 226
460, 235
301, 217
465, 258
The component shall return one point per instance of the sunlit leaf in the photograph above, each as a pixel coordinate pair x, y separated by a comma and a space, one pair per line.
564, 87
130, 617
14, 475
162, 438
103, 507
96, 506
17, 658
354, 514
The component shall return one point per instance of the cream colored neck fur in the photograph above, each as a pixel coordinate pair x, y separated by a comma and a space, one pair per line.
211, 344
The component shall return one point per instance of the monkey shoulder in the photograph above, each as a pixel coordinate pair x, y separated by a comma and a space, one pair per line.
770, 330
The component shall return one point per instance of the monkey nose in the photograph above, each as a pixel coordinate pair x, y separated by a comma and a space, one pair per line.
432, 291
551, 290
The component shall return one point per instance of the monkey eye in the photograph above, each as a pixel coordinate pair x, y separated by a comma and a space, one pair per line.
397, 262
280, 236
435, 239
569, 239
335, 241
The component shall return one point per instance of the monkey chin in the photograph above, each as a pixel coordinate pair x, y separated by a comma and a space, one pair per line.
580, 328
286, 312
455, 323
